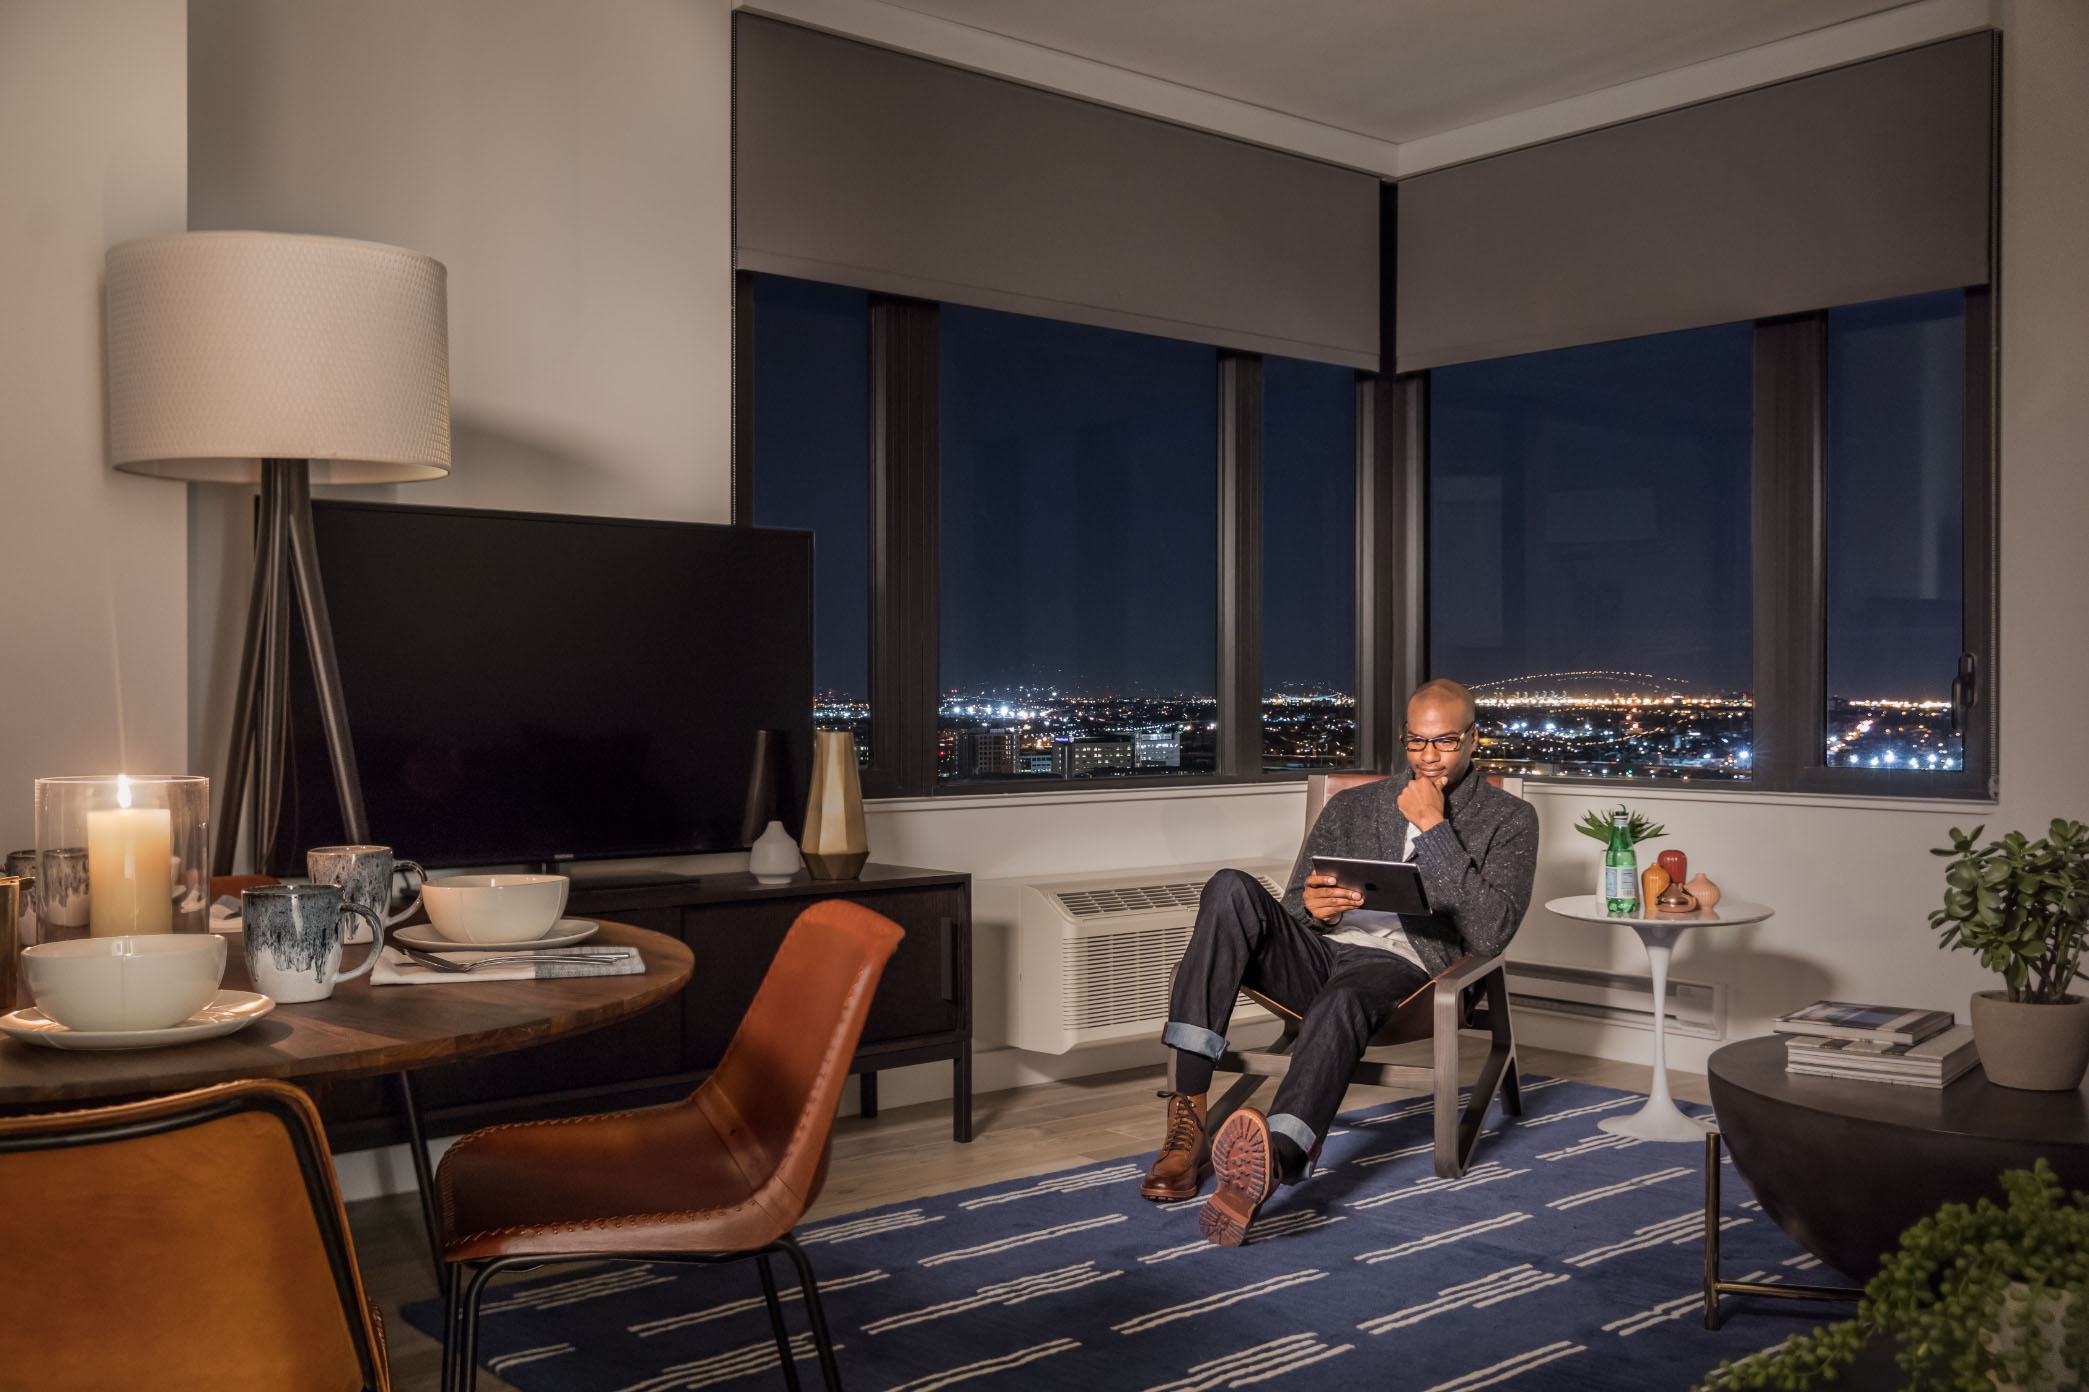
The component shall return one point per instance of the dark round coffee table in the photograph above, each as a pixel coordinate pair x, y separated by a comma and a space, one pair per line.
1845, 1167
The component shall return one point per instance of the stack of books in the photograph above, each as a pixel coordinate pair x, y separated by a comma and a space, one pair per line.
1876, 1043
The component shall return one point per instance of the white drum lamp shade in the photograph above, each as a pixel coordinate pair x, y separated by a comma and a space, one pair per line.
229, 348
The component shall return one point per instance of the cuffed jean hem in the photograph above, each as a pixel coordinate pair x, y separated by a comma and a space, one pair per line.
1300, 1134
1193, 1039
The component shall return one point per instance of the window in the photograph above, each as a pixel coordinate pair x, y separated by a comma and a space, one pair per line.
1308, 565
1590, 572
809, 395
1752, 553
1078, 609
1896, 525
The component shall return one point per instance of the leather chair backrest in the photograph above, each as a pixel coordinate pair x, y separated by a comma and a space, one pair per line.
774, 1093
189, 1242
1322, 786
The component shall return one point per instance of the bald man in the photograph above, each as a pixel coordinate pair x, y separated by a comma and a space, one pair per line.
1342, 969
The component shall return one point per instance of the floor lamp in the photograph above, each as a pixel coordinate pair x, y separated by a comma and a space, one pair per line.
266, 358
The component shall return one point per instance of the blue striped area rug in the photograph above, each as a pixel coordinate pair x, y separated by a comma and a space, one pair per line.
1565, 1258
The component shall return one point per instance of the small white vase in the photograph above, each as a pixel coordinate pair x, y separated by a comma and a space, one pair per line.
774, 857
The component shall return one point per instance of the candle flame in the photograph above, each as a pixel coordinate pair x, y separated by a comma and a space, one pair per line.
123, 790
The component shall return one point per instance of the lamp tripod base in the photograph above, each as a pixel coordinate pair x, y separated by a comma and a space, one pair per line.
286, 568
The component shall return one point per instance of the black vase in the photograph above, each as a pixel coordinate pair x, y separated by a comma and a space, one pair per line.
762, 776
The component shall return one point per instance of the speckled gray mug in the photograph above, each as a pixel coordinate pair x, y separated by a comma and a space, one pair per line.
294, 935
364, 874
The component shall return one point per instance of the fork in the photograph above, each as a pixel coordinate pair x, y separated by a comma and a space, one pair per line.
439, 963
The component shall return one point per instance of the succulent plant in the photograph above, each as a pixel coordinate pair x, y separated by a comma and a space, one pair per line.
1975, 1297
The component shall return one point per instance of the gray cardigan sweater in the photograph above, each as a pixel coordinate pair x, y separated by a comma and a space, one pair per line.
1477, 864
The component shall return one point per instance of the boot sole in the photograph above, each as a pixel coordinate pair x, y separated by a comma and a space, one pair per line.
1240, 1155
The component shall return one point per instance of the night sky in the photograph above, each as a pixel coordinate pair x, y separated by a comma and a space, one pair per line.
1590, 507
812, 456
1080, 522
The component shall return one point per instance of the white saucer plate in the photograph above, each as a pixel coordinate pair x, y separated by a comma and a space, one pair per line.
563, 933
228, 1011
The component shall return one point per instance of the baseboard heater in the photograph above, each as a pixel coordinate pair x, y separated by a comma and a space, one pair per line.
1695, 1008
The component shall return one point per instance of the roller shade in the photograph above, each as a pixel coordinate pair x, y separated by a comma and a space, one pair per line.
1860, 183
861, 166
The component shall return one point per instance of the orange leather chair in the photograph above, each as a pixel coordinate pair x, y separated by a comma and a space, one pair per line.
724, 1174
222, 885
1471, 993
187, 1243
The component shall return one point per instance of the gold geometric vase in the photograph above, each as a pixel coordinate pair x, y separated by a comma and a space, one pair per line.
835, 843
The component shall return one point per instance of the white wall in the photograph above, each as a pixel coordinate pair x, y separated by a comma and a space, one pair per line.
569, 165
93, 564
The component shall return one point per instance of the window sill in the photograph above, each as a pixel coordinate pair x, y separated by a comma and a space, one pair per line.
1293, 787
1533, 788
1621, 789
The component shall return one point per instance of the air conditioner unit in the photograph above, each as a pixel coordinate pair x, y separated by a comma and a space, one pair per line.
1090, 957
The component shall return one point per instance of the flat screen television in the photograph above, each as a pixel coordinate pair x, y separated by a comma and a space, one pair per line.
535, 688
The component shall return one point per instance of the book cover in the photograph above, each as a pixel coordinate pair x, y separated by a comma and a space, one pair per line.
1893, 1024
1947, 1054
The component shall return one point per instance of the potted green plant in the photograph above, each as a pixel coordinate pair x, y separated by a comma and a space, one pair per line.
2023, 905
1984, 1298
1639, 828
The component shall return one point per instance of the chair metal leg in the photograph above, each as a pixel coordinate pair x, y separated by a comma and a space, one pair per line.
449, 1330
783, 1335
809, 1284
474, 1289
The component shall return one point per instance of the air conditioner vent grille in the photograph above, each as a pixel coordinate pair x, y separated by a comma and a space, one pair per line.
1121, 900
1122, 978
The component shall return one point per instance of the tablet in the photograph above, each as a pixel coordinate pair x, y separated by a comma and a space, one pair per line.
1388, 886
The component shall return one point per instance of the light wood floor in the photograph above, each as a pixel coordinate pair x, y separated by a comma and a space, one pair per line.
907, 1153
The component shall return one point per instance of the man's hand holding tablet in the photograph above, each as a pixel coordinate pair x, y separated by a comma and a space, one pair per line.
1380, 886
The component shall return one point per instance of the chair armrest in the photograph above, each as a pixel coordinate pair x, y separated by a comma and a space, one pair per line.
1465, 971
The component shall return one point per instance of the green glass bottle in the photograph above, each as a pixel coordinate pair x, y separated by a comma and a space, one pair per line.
1620, 869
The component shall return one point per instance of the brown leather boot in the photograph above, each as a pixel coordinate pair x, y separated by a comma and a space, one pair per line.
1185, 1158
1247, 1170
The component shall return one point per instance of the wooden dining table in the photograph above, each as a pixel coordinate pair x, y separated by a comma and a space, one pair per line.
359, 1031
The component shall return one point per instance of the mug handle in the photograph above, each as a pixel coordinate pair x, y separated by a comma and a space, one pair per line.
377, 927
400, 867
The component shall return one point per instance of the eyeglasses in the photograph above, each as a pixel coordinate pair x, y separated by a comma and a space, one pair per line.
1445, 744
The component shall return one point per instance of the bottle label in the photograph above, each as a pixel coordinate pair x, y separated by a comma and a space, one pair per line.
1620, 882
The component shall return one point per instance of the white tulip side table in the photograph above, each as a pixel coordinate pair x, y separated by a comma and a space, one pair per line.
1660, 1119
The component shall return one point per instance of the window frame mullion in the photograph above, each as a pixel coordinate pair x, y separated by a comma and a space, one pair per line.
1239, 646
1392, 561
1788, 550
905, 546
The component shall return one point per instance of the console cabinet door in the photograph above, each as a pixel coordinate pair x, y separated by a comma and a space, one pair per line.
925, 984
921, 992
733, 945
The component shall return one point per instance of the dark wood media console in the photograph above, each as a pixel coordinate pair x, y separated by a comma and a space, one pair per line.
922, 1012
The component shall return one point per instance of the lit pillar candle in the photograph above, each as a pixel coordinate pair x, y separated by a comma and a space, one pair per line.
130, 868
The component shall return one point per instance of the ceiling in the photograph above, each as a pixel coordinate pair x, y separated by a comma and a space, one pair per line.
1398, 70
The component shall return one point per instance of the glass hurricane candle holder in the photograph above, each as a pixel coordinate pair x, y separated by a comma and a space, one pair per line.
119, 855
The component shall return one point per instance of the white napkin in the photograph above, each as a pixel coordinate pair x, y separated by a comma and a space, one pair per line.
395, 968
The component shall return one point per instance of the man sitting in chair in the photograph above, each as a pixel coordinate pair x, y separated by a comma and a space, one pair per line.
1343, 970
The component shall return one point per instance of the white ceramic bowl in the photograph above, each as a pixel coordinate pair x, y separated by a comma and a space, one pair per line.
494, 908
150, 981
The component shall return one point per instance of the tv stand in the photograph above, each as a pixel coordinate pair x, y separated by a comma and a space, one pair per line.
922, 1012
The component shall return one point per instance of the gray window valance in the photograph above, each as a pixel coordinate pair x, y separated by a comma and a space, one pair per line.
1860, 183
862, 166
